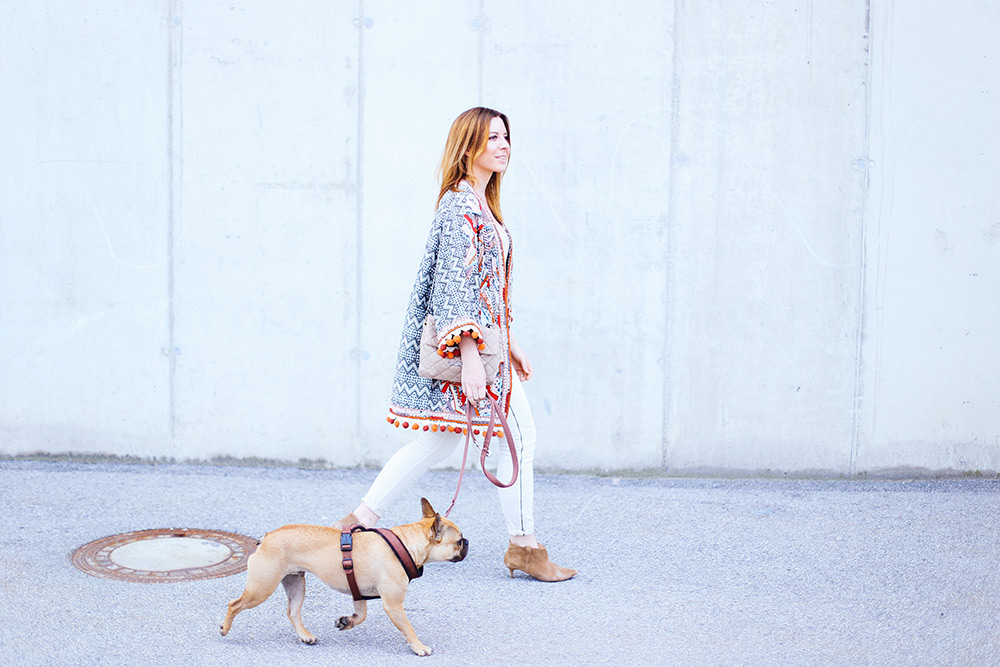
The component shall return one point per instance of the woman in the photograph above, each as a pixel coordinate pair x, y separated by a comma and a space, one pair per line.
464, 281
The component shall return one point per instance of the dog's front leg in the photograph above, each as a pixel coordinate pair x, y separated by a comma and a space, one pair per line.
353, 621
393, 604
295, 589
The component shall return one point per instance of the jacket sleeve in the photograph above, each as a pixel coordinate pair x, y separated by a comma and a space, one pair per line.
456, 299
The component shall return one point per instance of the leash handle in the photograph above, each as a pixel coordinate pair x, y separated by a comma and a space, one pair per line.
496, 411
486, 444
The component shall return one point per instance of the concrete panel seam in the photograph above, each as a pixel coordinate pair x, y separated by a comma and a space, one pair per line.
481, 46
862, 282
359, 217
675, 87
175, 167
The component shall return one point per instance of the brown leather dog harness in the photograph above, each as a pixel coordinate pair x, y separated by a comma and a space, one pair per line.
397, 546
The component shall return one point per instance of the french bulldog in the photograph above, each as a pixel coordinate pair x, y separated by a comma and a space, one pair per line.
286, 554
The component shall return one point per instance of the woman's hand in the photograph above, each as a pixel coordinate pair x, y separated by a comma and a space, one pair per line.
519, 360
473, 373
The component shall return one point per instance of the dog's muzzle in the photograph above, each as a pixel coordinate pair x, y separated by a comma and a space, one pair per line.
463, 550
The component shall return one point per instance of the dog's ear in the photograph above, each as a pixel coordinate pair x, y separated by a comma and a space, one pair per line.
427, 509
437, 529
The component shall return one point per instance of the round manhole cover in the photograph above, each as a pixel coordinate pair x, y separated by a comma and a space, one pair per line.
164, 555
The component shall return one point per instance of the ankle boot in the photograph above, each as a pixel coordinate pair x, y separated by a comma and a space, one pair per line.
534, 561
348, 520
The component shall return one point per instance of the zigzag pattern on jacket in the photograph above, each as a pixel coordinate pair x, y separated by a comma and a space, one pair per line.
462, 282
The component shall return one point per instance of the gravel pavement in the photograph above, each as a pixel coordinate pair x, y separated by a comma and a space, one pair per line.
673, 571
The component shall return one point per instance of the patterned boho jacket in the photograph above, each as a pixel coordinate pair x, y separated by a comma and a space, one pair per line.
462, 282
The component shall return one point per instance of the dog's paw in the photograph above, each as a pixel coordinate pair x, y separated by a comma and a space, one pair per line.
345, 622
420, 649
308, 639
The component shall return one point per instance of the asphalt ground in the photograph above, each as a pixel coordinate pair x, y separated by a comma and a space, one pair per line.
673, 571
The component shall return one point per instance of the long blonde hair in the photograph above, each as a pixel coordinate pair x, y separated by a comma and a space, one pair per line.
466, 141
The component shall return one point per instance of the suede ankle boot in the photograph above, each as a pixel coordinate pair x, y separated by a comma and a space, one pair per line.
534, 561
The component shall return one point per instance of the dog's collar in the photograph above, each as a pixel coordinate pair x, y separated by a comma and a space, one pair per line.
396, 544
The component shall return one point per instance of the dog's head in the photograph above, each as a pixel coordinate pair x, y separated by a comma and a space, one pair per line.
445, 539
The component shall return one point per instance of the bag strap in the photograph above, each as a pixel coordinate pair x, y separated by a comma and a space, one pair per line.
495, 412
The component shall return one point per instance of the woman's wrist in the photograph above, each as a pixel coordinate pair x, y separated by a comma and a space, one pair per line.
452, 346
469, 347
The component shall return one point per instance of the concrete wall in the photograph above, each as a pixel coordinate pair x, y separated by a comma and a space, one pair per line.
750, 236
931, 385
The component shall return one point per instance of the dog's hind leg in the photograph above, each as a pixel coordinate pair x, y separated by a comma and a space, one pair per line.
261, 582
295, 589
357, 618
248, 600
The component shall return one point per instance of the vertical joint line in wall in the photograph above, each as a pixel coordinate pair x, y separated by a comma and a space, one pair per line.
859, 333
175, 168
480, 45
671, 191
359, 207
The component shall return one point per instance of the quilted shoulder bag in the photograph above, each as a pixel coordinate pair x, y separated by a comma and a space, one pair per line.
438, 366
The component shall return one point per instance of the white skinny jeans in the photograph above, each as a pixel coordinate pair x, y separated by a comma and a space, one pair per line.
430, 447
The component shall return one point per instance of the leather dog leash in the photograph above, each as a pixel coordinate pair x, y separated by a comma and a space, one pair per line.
494, 414
396, 544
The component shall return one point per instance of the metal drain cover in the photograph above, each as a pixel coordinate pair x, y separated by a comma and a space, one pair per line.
165, 555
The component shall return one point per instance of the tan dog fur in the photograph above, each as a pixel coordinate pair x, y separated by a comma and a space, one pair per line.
286, 554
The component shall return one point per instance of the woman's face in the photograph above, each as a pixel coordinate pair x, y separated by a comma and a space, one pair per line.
497, 152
